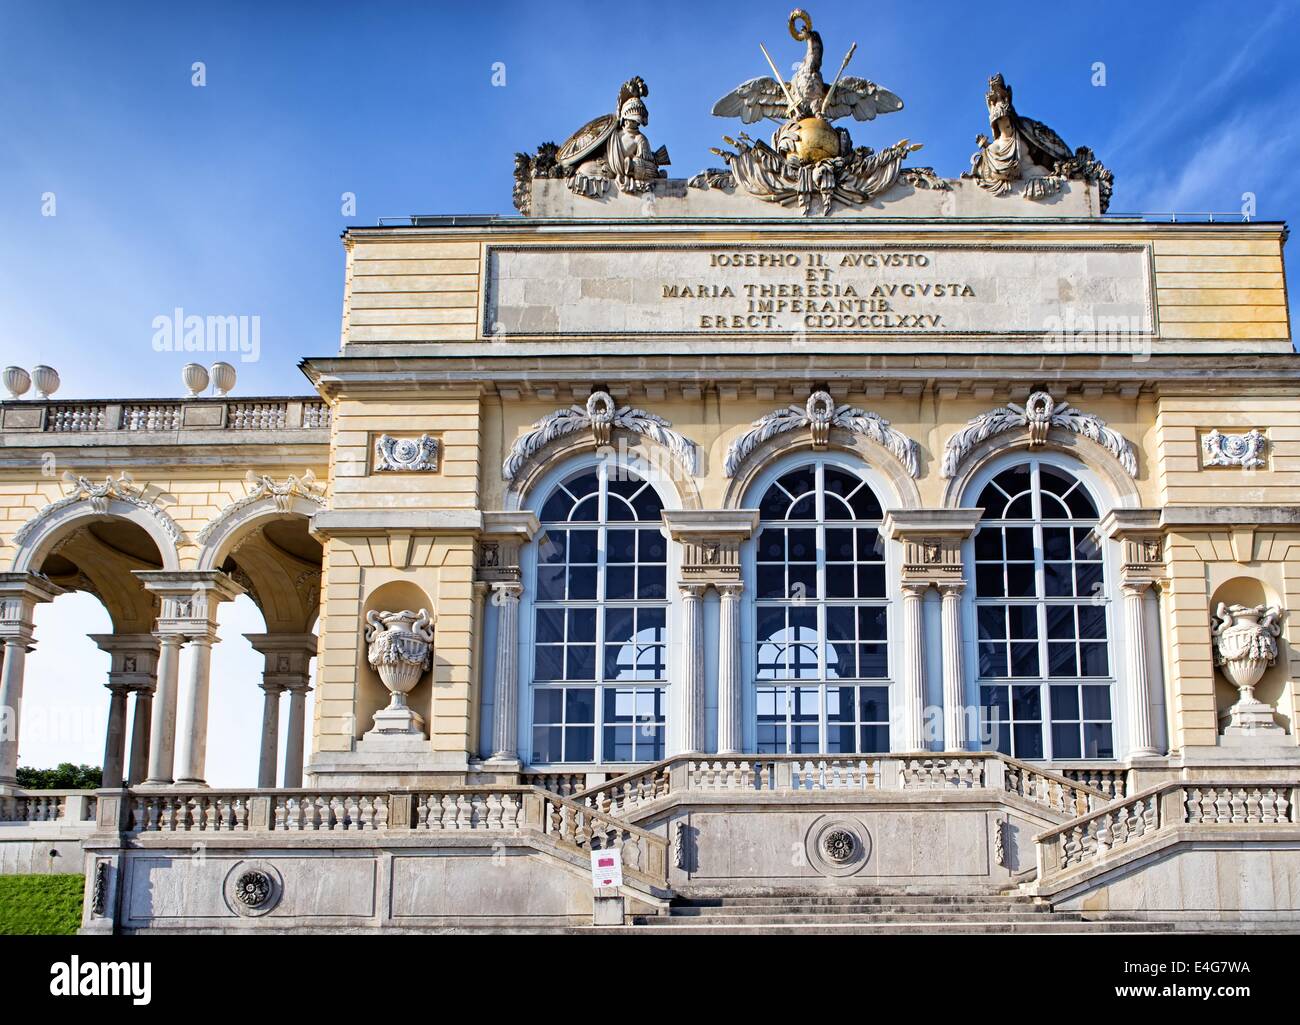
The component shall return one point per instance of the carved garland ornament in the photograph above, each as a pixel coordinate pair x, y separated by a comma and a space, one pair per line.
820, 414
413, 455
260, 487
600, 416
1038, 415
1244, 450
83, 489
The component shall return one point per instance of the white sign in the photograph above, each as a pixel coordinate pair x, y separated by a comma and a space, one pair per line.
849, 288
606, 868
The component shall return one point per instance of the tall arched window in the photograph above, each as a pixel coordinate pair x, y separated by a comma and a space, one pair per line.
1046, 688
821, 665
600, 607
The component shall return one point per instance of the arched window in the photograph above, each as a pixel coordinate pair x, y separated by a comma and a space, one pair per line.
600, 607
1041, 607
821, 665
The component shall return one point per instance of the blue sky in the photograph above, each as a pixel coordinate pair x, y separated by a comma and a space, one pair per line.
226, 199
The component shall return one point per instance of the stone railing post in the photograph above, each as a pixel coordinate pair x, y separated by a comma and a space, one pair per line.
891, 774
995, 774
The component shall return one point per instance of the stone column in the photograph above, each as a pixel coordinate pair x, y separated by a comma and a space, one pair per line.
192, 715
1141, 733
287, 668
189, 601
295, 736
141, 728
162, 728
954, 685
133, 659
270, 747
691, 687
731, 684
505, 707
913, 667
20, 593
115, 741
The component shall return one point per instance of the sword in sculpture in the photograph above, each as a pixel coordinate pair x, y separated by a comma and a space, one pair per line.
789, 98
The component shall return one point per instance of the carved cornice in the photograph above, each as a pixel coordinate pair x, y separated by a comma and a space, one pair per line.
261, 487
932, 542
819, 414
1040, 414
710, 541
98, 496
600, 416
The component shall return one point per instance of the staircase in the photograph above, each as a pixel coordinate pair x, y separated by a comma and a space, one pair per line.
878, 912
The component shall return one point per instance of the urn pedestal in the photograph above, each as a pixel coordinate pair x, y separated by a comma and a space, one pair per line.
400, 651
1245, 645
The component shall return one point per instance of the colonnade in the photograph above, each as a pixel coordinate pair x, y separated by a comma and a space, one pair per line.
168, 724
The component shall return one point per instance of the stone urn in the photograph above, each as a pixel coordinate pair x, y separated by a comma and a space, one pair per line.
401, 650
195, 378
1245, 645
46, 380
17, 381
223, 378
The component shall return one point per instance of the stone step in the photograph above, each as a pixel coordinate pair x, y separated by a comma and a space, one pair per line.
805, 918
865, 910
1049, 925
834, 900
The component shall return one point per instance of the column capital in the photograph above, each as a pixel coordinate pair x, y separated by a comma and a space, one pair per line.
20, 593
692, 588
1141, 541
189, 599
504, 533
915, 588
1135, 586
710, 540
733, 589
951, 587
133, 659
932, 541
288, 659
506, 590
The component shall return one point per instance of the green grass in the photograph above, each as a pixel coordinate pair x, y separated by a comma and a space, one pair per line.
40, 905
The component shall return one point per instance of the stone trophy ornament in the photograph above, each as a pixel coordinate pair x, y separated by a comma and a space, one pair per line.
400, 651
1245, 645
809, 157
1024, 150
608, 150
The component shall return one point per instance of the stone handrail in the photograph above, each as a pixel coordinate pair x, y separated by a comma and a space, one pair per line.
67, 806
164, 415
1055, 791
895, 771
1113, 783
583, 829
1090, 839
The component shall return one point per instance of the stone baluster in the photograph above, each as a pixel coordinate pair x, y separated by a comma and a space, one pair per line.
691, 688
506, 595
730, 671
20, 593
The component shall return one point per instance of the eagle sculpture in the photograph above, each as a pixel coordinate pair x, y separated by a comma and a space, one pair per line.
764, 97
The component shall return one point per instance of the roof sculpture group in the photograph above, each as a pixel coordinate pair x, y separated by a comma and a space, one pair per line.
810, 163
